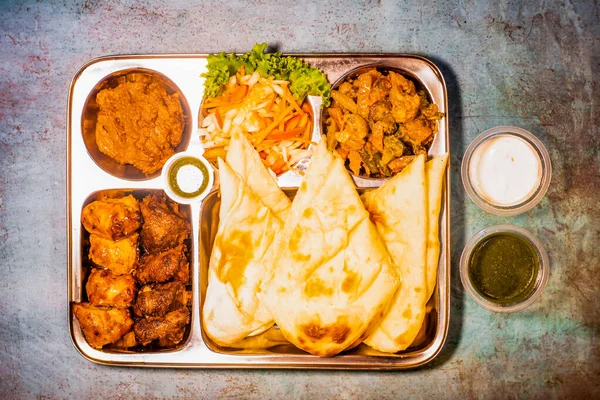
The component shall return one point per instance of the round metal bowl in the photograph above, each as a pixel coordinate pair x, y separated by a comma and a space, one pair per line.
89, 118
362, 181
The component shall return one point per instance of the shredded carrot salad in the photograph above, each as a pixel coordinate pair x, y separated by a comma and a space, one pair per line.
266, 112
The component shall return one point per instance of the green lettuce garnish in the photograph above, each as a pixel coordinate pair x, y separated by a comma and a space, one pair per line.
304, 79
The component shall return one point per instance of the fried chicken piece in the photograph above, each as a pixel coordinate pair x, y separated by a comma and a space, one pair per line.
112, 219
380, 89
354, 132
102, 325
106, 289
401, 82
170, 264
120, 257
158, 299
405, 106
337, 117
376, 138
344, 101
400, 163
355, 162
394, 145
164, 225
417, 130
363, 85
173, 339
348, 89
167, 327
125, 342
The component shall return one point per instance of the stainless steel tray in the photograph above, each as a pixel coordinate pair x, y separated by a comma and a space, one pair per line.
85, 178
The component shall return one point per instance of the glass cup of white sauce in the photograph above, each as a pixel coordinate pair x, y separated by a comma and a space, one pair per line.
506, 170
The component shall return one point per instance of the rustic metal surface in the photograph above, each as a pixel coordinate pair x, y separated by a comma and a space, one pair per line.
86, 175
532, 64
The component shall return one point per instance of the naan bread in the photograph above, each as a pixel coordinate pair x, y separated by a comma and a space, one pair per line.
399, 211
245, 161
434, 175
332, 278
246, 230
269, 338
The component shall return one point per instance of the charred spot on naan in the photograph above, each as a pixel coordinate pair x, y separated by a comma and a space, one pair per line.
351, 282
296, 244
337, 332
316, 287
302, 188
308, 212
375, 216
235, 253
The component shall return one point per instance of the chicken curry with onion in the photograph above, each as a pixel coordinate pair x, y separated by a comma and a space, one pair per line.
379, 121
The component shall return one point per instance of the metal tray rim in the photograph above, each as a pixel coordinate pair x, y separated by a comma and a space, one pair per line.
425, 355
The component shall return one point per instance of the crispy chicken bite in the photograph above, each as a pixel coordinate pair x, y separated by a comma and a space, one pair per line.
160, 298
164, 225
172, 339
170, 264
120, 257
405, 107
125, 342
112, 219
168, 327
105, 289
417, 130
102, 325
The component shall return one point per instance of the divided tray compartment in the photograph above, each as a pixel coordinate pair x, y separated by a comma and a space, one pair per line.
209, 215
84, 270
86, 180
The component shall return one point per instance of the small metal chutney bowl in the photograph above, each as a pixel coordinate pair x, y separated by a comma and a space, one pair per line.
166, 177
89, 119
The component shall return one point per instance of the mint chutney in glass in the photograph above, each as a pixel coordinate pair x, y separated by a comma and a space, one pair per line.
503, 268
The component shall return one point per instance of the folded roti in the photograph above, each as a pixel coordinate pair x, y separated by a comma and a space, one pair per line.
398, 209
434, 175
247, 227
332, 278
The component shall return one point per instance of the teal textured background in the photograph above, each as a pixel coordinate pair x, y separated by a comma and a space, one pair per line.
533, 64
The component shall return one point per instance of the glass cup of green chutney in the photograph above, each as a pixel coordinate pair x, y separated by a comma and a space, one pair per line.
504, 268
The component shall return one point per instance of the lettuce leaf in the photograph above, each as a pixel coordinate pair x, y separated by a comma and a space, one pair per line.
304, 79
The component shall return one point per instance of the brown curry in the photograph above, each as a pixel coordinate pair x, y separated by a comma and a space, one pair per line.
139, 123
